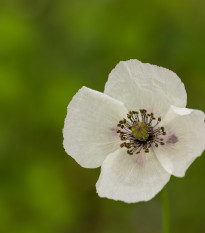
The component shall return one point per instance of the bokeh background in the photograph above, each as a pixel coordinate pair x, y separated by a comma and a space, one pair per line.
48, 50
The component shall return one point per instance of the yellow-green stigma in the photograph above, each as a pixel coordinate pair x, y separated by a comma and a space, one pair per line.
140, 131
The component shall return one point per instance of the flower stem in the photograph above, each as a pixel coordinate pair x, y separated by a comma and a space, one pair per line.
165, 209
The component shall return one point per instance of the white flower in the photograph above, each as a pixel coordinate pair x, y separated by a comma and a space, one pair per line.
117, 130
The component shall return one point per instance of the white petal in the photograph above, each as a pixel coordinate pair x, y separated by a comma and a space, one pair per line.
185, 139
131, 178
141, 85
90, 127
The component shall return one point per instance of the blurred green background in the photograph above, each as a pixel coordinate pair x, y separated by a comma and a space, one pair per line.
48, 50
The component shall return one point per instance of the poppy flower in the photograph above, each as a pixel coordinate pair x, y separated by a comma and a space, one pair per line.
139, 131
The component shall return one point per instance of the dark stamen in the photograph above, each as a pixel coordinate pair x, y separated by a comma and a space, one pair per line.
139, 133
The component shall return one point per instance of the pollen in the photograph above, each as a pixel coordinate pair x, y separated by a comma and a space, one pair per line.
140, 131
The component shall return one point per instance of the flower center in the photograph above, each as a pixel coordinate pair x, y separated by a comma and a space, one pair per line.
139, 133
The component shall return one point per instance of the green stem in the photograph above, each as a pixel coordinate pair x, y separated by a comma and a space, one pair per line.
165, 209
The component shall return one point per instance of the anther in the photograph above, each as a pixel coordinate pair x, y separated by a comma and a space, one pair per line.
130, 152
122, 145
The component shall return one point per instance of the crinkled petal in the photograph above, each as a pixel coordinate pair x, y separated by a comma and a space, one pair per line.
144, 86
185, 139
131, 178
90, 127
